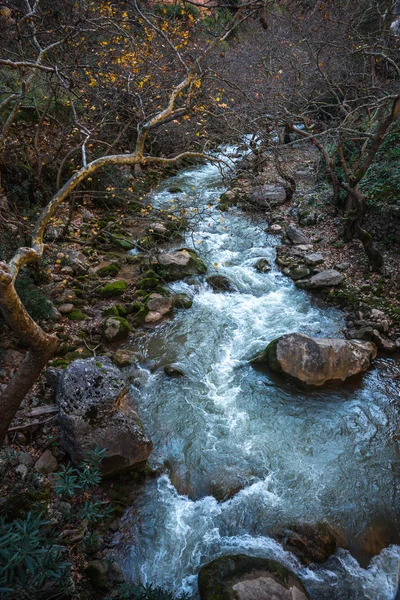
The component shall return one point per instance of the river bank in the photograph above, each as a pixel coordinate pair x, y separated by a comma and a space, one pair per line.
369, 298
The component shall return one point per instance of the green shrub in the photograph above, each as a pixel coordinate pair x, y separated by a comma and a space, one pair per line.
382, 180
128, 591
30, 560
35, 302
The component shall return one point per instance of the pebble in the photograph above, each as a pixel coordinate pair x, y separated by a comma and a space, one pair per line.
22, 471
65, 309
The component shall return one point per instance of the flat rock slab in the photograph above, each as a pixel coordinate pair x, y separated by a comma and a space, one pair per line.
326, 278
313, 259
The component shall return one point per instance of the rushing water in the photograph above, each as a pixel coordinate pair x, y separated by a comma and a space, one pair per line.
245, 451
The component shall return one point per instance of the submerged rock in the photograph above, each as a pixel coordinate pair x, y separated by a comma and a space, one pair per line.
311, 543
182, 300
96, 412
262, 265
241, 577
220, 283
173, 371
315, 361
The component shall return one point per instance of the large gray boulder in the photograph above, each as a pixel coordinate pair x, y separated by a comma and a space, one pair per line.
241, 577
315, 361
172, 266
296, 235
96, 411
326, 278
268, 196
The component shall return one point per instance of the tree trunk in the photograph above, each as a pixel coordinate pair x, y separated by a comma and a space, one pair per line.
355, 211
41, 348
21, 383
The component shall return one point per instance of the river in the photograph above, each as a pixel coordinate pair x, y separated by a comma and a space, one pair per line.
244, 451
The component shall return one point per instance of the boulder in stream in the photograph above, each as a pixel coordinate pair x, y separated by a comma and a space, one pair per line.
310, 542
172, 266
220, 283
241, 577
96, 412
316, 361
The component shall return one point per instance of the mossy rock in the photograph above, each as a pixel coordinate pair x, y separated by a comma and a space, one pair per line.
110, 270
134, 307
79, 353
221, 578
122, 311
61, 363
62, 349
162, 290
177, 265
141, 314
111, 311
115, 329
77, 315
182, 301
148, 283
115, 288
121, 242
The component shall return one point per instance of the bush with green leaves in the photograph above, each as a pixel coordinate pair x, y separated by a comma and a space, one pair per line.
32, 565
129, 591
35, 302
71, 481
382, 180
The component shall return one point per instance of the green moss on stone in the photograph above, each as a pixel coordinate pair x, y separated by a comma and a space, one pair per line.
116, 288
77, 315
148, 283
109, 271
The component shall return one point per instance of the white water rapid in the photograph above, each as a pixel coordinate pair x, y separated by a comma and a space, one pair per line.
245, 451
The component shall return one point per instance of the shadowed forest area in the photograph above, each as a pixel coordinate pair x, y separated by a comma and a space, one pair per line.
150, 152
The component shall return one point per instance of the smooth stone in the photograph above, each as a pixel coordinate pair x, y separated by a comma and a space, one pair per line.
241, 577
316, 361
326, 278
65, 309
47, 463
268, 196
275, 228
